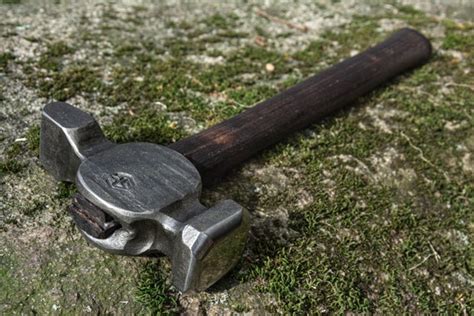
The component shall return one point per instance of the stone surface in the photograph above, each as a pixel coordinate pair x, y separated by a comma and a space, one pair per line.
367, 212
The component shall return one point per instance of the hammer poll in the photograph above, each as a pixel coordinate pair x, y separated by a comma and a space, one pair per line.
142, 199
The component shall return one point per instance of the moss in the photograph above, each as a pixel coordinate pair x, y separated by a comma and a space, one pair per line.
133, 19
52, 59
409, 10
62, 82
240, 308
9, 283
33, 39
334, 263
33, 139
360, 28
14, 150
65, 190
412, 16
4, 59
155, 293
458, 41
145, 126
76, 79
233, 34
11, 166
261, 32
11, 1
110, 13
359, 34
59, 49
182, 47
369, 259
34, 209
147, 80
425, 75
126, 50
343, 257
238, 100
219, 21
249, 59
53, 273
452, 25
248, 97
11, 162
308, 58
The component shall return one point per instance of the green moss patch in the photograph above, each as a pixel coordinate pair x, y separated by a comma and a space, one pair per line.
149, 126
11, 162
155, 292
4, 59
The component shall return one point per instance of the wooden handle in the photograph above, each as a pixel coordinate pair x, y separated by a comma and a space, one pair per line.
216, 150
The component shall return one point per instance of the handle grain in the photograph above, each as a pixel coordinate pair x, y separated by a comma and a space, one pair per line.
216, 150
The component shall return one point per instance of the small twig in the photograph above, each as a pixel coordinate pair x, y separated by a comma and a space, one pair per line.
459, 85
239, 104
245, 106
435, 253
430, 96
419, 264
302, 28
418, 149
422, 156
329, 225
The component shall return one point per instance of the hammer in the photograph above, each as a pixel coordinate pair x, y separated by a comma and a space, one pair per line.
142, 199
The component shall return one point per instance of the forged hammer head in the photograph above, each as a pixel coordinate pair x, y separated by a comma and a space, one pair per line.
151, 191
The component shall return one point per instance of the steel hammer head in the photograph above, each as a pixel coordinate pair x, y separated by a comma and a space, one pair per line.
151, 191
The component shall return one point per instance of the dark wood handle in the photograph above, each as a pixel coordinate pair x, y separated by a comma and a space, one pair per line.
216, 150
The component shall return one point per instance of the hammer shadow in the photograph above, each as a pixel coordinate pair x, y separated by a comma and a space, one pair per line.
258, 248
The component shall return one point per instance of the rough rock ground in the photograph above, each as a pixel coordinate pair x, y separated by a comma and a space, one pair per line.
368, 211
